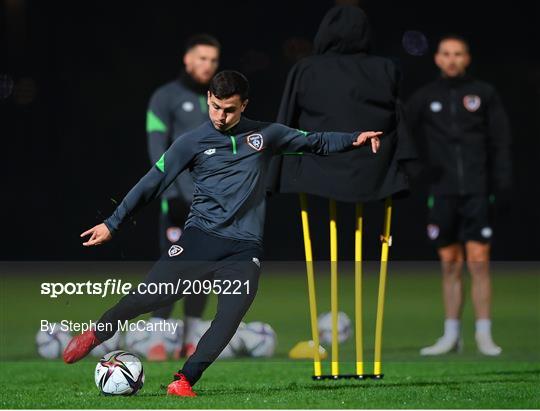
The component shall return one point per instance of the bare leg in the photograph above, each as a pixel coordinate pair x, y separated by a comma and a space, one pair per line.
451, 257
478, 264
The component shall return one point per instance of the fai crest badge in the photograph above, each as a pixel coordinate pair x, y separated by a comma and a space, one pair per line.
432, 231
255, 141
174, 234
175, 250
472, 102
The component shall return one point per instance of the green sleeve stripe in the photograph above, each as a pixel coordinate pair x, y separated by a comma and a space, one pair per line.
305, 133
203, 104
431, 202
164, 206
154, 123
161, 163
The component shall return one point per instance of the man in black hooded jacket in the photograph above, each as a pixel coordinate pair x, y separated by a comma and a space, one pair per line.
345, 88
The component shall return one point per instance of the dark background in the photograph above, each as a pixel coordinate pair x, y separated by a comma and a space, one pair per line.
73, 127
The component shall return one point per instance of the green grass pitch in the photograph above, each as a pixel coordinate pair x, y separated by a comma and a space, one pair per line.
413, 318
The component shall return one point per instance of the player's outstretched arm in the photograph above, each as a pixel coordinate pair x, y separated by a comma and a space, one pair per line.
99, 234
322, 143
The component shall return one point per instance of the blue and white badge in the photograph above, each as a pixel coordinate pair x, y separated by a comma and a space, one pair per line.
486, 232
174, 234
187, 106
472, 102
435, 106
255, 141
433, 231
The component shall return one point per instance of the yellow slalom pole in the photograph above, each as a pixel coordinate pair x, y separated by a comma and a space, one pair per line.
334, 287
386, 242
311, 286
358, 288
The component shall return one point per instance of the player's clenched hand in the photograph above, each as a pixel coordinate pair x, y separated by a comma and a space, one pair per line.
98, 235
369, 135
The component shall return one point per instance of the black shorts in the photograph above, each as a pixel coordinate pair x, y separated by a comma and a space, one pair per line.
458, 219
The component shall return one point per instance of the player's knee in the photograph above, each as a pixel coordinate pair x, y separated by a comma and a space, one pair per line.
478, 259
451, 254
477, 252
232, 308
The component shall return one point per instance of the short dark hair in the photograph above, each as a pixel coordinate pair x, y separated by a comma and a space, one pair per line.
202, 39
228, 83
452, 36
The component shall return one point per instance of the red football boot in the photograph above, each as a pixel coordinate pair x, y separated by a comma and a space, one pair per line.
80, 346
180, 387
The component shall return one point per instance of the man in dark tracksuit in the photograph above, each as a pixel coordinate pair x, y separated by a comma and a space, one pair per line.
467, 138
175, 108
228, 158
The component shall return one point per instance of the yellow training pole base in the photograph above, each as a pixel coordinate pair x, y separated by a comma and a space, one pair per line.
348, 377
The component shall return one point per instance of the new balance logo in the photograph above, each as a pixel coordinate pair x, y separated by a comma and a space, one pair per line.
210, 151
175, 250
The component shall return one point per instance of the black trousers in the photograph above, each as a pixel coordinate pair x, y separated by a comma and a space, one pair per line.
235, 272
172, 218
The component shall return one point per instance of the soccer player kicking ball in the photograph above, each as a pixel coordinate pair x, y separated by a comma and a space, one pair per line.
228, 157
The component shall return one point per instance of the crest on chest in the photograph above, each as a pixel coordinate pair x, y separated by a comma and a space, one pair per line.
255, 141
472, 102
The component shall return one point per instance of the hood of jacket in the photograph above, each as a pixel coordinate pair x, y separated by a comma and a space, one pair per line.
343, 30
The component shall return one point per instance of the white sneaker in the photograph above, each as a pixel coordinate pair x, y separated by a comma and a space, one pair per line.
486, 345
444, 345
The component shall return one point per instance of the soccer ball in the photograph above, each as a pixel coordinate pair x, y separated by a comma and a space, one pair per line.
138, 341
200, 328
325, 327
234, 348
119, 373
51, 344
171, 339
141, 341
259, 339
111, 344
